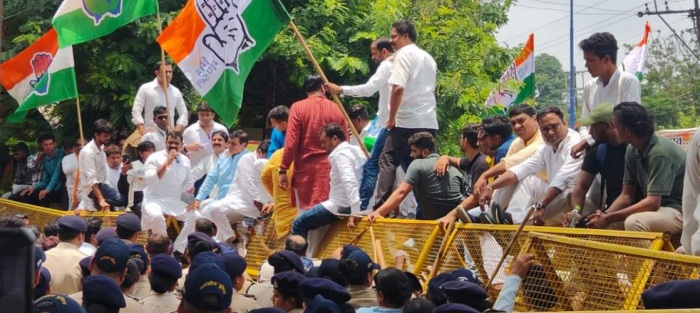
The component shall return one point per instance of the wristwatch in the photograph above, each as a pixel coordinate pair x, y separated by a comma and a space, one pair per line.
539, 206
283, 171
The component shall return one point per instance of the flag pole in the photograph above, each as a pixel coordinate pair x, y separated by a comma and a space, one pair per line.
163, 84
325, 81
80, 120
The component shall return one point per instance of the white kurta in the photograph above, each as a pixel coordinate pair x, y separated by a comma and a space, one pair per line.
195, 134
163, 195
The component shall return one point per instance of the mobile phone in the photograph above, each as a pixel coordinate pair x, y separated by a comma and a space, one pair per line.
126, 158
17, 269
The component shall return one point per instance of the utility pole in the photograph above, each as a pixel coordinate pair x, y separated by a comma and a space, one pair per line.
693, 14
572, 70
697, 20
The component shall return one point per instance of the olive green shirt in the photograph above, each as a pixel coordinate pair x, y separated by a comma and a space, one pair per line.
658, 170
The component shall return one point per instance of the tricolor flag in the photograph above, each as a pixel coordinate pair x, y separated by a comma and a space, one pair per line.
40, 75
634, 61
78, 21
216, 42
522, 70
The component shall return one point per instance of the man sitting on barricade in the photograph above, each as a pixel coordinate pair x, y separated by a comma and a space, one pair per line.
561, 168
657, 165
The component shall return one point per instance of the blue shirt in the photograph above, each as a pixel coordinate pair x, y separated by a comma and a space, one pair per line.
51, 172
276, 141
503, 149
221, 175
376, 309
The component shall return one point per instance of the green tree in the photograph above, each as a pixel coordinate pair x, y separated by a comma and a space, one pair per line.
550, 81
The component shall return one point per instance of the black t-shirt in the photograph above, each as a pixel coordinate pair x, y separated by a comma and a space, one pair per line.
472, 171
612, 171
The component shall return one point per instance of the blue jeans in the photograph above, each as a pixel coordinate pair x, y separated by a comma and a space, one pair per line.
111, 195
371, 170
311, 219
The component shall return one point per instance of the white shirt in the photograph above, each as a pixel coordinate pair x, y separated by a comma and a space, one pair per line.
244, 189
415, 71
378, 82
157, 137
167, 191
690, 238
265, 196
347, 162
113, 175
149, 96
195, 134
136, 177
363, 133
562, 169
69, 164
203, 168
622, 87
87, 249
93, 168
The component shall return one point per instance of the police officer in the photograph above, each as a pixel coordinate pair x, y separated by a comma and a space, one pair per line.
102, 293
207, 287
235, 266
286, 294
328, 289
62, 261
142, 286
281, 261
165, 271
57, 304
466, 293
128, 227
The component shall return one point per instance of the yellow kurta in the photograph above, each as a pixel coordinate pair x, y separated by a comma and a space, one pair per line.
284, 211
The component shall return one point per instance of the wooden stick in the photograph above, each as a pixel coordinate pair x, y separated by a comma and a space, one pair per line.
325, 81
80, 121
380, 253
374, 243
357, 237
509, 247
441, 252
164, 82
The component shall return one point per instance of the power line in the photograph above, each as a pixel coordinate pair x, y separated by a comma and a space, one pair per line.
577, 5
554, 42
566, 11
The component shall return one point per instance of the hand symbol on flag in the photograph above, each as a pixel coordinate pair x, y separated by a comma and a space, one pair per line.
229, 37
99, 9
40, 65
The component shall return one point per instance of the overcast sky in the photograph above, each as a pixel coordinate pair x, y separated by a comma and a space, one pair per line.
549, 20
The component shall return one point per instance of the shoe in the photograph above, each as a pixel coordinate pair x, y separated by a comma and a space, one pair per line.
497, 213
463, 216
485, 218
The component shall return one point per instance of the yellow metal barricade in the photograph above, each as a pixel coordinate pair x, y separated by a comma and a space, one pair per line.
579, 275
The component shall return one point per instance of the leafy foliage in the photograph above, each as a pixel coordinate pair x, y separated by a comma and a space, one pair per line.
550, 81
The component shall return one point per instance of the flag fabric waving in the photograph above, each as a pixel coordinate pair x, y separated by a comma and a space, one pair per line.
634, 61
523, 70
216, 42
40, 75
78, 21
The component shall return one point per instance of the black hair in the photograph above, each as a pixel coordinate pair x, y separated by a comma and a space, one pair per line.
394, 286
521, 109
383, 43
45, 136
240, 134
334, 129
204, 107
221, 133
113, 149
11, 221
422, 140
636, 118
292, 245
161, 283
550, 109
601, 44
51, 228
312, 83
405, 27
132, 274
358, 111
418, 305
20, 146
349, 269
470, 132
198, 247
296, 294
205, 226
497, 125
94, 224
102, 126
158, 244
280, 113
145, 146
65, 234
159, 63
174, 134
264, 146
159, 110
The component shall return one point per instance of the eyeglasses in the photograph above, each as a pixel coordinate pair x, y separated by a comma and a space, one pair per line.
548, 128
162, 117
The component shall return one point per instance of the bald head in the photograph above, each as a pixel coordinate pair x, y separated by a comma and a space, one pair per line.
296, 244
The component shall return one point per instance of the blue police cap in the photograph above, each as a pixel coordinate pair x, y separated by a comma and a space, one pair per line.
100, 289
166, 265
72, 222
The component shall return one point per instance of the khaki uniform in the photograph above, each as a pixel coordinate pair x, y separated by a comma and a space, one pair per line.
133, 305
242, 304
362, 297
62, 262
296, 311
160, 303
262, 293
142, 288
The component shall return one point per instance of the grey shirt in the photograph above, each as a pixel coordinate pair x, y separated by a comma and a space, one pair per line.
436, 196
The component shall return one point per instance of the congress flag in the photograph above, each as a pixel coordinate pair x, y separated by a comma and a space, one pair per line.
634, 61
523, 70
78, 21
216, 42
40, 75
